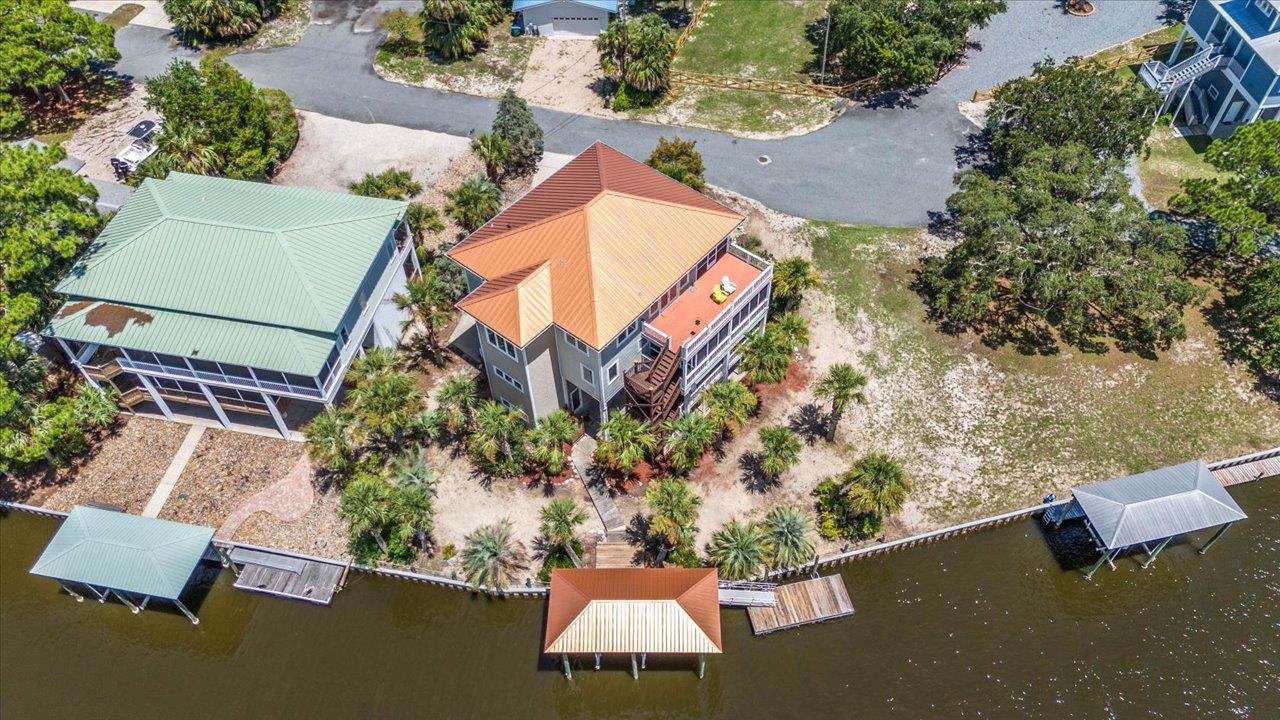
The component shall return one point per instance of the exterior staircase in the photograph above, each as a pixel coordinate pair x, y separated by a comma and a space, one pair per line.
654, 386
1165, 80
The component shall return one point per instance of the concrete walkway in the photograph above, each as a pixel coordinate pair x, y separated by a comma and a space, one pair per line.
171, 475
582, 457
288, 499
889, 166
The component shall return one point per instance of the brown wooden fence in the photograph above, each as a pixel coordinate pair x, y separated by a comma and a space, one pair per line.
782, 87
1139, 54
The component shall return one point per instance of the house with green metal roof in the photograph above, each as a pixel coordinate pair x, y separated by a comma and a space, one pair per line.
236, 295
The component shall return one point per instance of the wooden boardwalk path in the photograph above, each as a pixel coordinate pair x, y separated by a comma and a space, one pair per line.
286, 576
1251, 468
802, 603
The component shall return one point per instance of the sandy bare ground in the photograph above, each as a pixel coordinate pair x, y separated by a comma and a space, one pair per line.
103, 135
565, 75
332, 153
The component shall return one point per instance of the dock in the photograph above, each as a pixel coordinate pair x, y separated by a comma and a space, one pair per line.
286, 576
802, 603
747, 594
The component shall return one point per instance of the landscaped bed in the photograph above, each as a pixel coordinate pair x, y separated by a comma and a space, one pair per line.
227, 469
123, 469
499, 67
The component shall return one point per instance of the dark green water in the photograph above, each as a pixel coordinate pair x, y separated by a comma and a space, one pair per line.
988, 625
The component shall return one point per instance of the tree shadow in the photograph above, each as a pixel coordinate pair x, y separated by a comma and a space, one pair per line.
754, 477
976, 153
1175, 11
895, 99
1236, 345
810, 423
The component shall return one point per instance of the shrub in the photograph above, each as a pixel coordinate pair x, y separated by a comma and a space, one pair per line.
514, 123
678, 160
557, 559
628, 98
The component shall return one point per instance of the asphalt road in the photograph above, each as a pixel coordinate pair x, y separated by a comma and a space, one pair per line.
885, 166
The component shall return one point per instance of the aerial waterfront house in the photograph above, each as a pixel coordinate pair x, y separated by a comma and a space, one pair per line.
633, 611
565, 18
610, 283
235, 295
1233, 77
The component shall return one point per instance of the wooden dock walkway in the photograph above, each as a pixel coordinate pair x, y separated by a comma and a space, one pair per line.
802, 603
286, 576
1248, 469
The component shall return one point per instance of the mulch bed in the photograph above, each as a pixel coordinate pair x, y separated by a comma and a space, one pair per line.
226, 469
320, 532
123, 469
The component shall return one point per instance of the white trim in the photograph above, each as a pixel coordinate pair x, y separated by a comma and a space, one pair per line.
213, 403
611, 373
275, 414
588, 375
155, 397
508, 378
497, 342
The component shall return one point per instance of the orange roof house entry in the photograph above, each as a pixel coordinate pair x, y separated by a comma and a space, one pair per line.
588, 249
633, 610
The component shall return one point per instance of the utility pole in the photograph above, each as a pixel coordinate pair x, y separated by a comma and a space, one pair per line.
825, 37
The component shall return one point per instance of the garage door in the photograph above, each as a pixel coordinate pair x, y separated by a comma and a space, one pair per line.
576, 25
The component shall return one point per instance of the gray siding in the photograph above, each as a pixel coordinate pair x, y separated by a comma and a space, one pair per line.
543, 17
544, 386
495, 359
570, 361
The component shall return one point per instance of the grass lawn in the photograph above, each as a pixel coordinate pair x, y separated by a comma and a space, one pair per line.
1165, 37
985, 430
499, 66
1173, 159
761, 39
121, 16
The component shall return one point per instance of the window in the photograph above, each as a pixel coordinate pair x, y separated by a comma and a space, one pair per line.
611, 372
627, 334
502, 344
575, 342
511, 406
506, 377
1265, 7
1213, 92
588, 375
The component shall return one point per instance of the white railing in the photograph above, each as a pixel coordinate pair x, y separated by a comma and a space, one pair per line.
239, 383
690, 348
365, 321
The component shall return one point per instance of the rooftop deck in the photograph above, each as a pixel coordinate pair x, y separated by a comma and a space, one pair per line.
694, 309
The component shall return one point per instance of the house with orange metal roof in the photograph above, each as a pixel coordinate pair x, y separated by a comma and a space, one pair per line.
610, 284
633, 611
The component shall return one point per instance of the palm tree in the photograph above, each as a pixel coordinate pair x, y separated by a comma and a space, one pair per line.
497, 438
376, 361
779, 451
412, 508
790, 533
474, 201
841, 385
766, 355
878, 485
449, 28
96, 408
739, 550
491, 558
330, 440
625, 441
430, 304
457, 398
638, 52
547, 441
411, 469
673, 505
186, 148
793, 328
386, 405
215, 18
560, 520
494, 151
689, 437
366, 506
791, 277
729, 404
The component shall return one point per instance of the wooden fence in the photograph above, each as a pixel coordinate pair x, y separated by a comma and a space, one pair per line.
1137, 55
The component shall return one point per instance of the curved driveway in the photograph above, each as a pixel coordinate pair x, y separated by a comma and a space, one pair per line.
881, 166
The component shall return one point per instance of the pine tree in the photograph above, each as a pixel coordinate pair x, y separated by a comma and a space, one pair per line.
515, 124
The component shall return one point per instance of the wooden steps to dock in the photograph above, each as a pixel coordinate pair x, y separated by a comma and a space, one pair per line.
802, 603
286, 576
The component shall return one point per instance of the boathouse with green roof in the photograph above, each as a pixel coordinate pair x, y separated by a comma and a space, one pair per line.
235, 295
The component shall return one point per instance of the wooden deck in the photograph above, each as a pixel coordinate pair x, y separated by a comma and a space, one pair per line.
615, 555
802, 603
1248, 471
287, 576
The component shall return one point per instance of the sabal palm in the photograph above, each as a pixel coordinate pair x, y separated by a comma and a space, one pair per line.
386, 404
791, 277
412, 507
411, 469
494, 151
842, 384
366, 506
560, 519
185, 148
689, 437
878, 484
448, 26
497, 433
793, 328
457, 398
673, 505
429, 303
490, 557
215, 18
96, 408
548, 438
766, 356
474, 201
376, 361
330, 440
739, 550
791, 536
779, 451
729, 404
624, 441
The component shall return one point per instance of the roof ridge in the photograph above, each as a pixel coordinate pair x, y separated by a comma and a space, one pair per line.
93, 260
469, 244
303, 279
670, 203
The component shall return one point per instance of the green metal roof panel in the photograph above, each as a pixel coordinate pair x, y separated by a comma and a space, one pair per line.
271, 254
264, 347
133, 554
